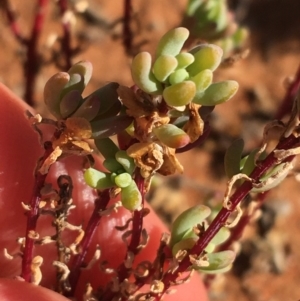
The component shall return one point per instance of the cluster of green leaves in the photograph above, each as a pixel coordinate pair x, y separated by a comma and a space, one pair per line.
182, 77
63, 97
184, 237
212, 21
120, 171
236, 164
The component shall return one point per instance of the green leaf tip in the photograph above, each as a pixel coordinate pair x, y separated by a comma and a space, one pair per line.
172, 42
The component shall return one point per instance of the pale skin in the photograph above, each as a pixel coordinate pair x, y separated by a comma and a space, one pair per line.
19, 152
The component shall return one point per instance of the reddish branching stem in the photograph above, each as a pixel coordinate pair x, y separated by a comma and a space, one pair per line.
66, 40
127, 34
287, 102
78, 262
31, 64
137, 227
14, 25
220, 220
32, 216
238, 230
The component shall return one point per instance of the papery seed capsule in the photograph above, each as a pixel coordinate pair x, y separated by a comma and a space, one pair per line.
180, 94
182, 227
164, 66
131, 197
184, 59
217, 93
172, 42
98, 179
171, 136
142, 74
53, 90
123, 180
178, 76
126, 161
207, 56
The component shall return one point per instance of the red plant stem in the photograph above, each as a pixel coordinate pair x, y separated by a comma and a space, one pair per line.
32, 216
15, 28
287, 102
137, 227
238, 230
220, 220
127, 34
78, 262
31, 65
66, 41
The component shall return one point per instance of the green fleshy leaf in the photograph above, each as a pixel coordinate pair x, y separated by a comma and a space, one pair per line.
249, 162
172, 42
69, 103
89, 108
207, 56
185, 244
184, 59
164, 66
53, 90
110, 126
178, 76
106, 147
98, 179
131, 197
112, 165
218, 261
126, 161
172, 136
76, 82
202, 81
182, 227
210, 247
123, 180
274, 182
233, 157
85, 69
142, 74
108, 97
221, 236
217, 93
180, 94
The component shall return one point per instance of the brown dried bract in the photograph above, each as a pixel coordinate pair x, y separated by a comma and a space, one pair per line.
143, 108
171, 165
73, 133
152, 157
147, 156
194, 127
